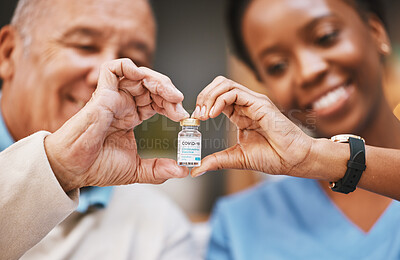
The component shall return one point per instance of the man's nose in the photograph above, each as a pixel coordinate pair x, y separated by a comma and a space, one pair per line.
312, 66
94, 72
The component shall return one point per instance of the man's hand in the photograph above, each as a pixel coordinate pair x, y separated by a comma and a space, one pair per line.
97, 146
267, 140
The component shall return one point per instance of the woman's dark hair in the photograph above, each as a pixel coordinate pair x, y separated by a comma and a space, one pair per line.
237, 8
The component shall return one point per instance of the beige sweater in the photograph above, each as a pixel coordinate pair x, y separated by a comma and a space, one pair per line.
139, 223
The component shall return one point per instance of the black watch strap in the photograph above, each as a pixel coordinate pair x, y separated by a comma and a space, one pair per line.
355, 167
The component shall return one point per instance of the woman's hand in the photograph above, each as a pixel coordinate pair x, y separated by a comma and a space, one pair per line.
267, 141
97, 146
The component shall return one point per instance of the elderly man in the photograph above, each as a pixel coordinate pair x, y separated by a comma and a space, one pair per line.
50, 64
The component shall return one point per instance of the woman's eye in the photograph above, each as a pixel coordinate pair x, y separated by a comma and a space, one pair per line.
277, 68
328, 38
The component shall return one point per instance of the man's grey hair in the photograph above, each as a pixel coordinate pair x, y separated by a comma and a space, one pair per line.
26, 14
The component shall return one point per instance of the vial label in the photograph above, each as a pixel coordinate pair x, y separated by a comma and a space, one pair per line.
189, 151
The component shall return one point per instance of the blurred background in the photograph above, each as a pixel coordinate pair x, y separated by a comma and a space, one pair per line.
192, 50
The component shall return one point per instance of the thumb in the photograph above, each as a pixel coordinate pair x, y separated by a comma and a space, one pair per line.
158, 170
231, 158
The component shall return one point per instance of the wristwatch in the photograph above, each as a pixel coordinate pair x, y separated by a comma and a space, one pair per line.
355, 165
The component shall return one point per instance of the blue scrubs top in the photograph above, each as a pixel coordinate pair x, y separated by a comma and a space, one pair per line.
295, 219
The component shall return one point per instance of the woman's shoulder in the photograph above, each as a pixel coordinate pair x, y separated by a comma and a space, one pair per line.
272, 195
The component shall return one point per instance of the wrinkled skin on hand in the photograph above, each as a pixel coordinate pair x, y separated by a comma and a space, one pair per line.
97, 146
267, 141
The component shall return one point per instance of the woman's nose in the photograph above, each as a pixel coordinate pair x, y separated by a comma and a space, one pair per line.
311, 67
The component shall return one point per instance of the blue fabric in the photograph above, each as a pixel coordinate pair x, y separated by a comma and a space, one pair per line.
94, 197
294, 219
5, 137
90, 196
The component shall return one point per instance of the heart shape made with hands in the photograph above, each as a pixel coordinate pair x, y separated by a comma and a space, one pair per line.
97, 146
267, 140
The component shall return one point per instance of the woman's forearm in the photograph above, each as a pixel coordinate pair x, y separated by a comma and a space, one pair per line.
329, 162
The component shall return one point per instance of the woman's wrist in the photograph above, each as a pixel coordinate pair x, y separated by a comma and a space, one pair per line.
327, 160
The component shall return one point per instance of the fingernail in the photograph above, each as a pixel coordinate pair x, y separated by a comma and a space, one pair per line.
198, 175
212, 111
203, 111
196, 112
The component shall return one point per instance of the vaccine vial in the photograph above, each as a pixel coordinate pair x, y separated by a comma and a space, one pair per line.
189, 143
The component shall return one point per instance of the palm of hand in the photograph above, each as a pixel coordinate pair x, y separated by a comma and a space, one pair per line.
97, 146
116, 160
257, 152
105, 151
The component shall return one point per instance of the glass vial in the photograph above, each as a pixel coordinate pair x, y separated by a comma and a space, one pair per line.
189, 143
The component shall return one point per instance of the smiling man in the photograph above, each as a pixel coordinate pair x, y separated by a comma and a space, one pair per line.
59, 61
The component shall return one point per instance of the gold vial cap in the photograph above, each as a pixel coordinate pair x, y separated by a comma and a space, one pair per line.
190, 122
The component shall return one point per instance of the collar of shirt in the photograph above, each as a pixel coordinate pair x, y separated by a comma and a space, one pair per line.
97, 197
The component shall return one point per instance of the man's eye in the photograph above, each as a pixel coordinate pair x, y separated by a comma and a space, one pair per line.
277, 68
328, 39
86, 48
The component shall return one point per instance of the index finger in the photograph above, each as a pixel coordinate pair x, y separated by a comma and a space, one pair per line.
161, 85
112, 71
209, 95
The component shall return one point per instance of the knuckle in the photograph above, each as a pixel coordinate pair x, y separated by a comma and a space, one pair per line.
226, 84
144, 68
127, 61
200, 96
156, 84
166, 80
220, 78
231, 82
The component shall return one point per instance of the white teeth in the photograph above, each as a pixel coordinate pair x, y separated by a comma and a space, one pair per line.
330, 98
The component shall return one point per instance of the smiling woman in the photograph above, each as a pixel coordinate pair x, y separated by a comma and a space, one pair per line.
322, 59
331, 42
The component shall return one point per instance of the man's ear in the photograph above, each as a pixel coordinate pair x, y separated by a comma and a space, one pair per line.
379, 35
8, 44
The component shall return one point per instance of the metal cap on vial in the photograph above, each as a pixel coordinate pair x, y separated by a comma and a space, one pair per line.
190, 122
